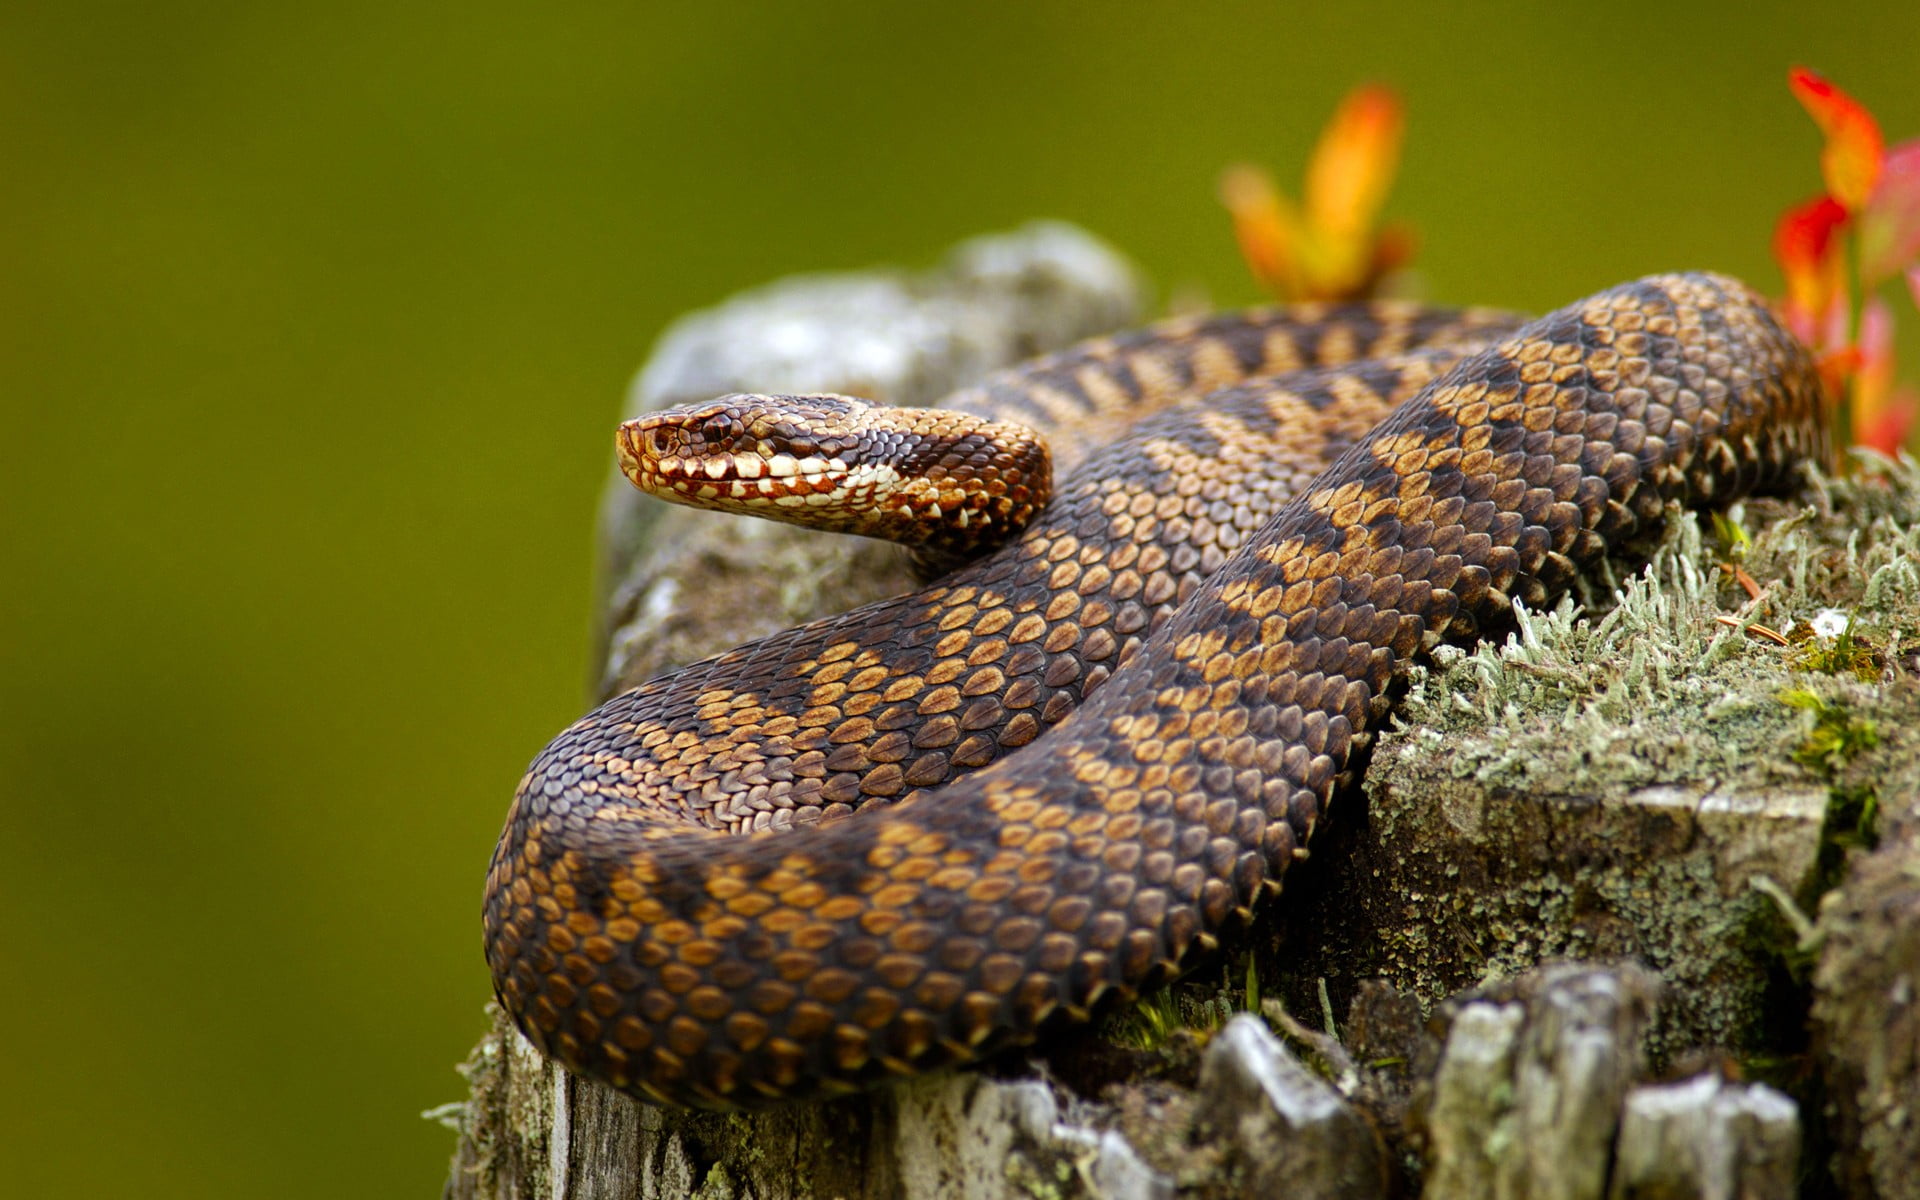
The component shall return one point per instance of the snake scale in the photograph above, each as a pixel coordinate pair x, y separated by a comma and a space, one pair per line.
912, 835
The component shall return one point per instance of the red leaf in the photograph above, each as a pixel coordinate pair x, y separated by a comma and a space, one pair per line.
1805, 247
1850, 161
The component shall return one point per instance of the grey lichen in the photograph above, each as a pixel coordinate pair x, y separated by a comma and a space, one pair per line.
1664, 682
1653, 688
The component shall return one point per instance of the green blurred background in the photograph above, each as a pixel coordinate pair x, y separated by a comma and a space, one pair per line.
316, 318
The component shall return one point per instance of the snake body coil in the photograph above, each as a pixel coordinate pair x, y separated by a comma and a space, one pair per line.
1210, 620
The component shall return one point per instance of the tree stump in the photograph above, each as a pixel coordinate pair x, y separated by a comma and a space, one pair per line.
1633, 792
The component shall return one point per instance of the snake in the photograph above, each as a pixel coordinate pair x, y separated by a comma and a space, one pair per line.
1089, 747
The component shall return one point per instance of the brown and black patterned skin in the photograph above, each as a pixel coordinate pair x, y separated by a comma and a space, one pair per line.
1212, 637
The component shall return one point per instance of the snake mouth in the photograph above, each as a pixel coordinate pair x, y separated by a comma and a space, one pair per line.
665, 458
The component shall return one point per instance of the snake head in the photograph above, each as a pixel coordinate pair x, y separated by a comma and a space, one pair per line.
947, 484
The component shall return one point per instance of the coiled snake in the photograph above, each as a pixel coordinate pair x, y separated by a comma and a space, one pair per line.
1210, 619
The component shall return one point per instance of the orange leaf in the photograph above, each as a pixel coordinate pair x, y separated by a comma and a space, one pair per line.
1266, 227
1331, 248
1353, 165
1850, 161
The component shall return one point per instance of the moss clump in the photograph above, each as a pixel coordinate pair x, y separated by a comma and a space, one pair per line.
1197, 1005
1837, 734
1852, 651
1661, 680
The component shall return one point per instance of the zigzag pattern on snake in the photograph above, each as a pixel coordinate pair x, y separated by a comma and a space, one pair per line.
690, 901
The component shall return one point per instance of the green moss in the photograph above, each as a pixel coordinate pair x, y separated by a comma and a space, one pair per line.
1149, 1023
1733, 537
1194, 1005
1852, 824
1837, 734
1853, 651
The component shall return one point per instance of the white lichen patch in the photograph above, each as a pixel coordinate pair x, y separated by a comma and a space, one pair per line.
1667, 680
